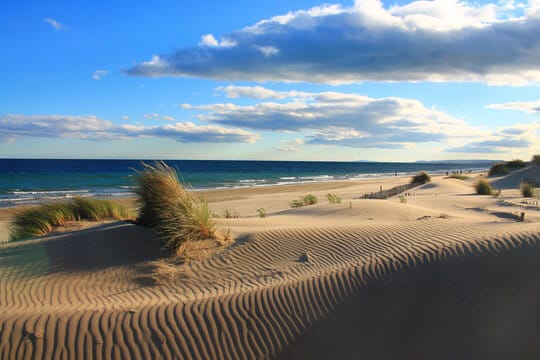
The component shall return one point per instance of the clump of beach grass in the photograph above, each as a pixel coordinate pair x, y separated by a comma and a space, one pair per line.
333, 198
43, 219
421, 178
457, 176
177, 215
527, 189
230, 214
308, 199
483, 187
262, 213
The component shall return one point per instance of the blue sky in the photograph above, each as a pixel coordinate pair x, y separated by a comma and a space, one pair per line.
272, 79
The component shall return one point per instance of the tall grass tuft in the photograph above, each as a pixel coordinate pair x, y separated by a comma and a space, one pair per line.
178, 216
483, 187
308, 199
333, 198
43, 219
527, 190
421, 178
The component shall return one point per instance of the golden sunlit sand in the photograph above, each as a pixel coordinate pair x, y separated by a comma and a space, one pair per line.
441, 273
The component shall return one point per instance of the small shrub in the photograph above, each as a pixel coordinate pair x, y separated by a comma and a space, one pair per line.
297, 203
333, 198
309, 199
527, 190
230, 214
262, 212
402, 199
496, 193
420, 178
483, 187
498, 170
536, 159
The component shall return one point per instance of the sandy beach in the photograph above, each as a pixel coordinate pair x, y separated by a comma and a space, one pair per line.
441, 273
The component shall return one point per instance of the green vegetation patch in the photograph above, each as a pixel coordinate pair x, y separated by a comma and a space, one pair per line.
42, 219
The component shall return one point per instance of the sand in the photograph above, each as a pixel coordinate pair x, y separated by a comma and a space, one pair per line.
446, 274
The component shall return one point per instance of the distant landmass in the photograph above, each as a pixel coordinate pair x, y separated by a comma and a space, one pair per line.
458, 161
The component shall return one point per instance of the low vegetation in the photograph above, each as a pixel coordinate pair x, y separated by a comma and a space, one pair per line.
43, 219
333, 198
515, 164
536, 159
262, 212
230, 214
421, 178
457, 176
527, 190
178, 216
483, 187
308, 199
498, 170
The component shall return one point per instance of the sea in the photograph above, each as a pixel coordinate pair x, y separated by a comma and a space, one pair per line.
30, 181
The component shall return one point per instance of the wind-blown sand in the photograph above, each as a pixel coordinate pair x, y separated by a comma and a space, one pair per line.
446, 275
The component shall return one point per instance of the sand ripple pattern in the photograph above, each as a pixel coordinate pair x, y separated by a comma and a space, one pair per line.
75, 297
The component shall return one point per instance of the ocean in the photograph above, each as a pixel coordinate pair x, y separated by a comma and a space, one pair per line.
29, 181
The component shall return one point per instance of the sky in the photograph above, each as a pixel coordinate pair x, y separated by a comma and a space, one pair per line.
270, 80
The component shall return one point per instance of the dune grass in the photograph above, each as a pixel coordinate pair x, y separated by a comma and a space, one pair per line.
527, 190
308, 199
42, 219
262, 213
483, 187
333, 198
421, 178
230, 214
457, 176
178, 216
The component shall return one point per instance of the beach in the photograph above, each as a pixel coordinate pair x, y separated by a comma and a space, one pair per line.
434, 272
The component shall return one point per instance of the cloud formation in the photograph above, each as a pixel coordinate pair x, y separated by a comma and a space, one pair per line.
55, 24
445, 40
338, 118
504, 140
532, 107
100, 74
90, 127
156, 116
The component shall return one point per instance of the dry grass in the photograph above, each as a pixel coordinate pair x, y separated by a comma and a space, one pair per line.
43, 219
178, 216
483, 187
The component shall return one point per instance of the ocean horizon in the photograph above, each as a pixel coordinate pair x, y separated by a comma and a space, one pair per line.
30, 181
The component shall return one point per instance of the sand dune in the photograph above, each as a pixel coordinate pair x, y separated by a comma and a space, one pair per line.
358, 281
514, 179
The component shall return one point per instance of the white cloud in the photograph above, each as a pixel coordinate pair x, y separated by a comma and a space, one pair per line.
339, 118
156, 116
90, 127
504, 140
294, 145
444, 40
210, 40
100, 74
259, 92
532, 107
55, 24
